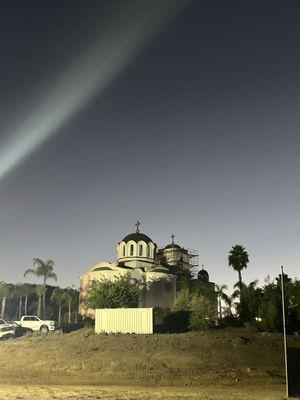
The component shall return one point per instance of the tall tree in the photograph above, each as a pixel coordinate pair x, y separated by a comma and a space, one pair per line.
238, 259
44, 270
28, 290
250, 297
4, 294
230, 304
19, 293
40, 291
221, 296
70, 297
58, 297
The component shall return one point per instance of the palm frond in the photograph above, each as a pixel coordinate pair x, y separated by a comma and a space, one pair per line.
30, 271
236, 294
38, 262
40, 290
52, 275
50, 263
57, 295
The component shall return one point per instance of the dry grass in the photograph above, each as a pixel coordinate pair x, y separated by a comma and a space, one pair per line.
239, 364
275, 392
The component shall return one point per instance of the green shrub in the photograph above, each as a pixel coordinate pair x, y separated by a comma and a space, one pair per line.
121, 292
203, 313
182, 301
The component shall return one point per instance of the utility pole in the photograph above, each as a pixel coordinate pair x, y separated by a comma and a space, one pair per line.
284, 335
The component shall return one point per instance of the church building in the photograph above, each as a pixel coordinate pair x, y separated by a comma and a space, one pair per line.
159, 272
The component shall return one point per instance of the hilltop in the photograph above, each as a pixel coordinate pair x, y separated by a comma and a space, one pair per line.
228, 356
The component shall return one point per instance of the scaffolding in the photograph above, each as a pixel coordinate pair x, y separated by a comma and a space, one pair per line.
193, 256
192, 263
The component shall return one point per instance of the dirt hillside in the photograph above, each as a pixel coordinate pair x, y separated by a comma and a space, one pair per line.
81, 357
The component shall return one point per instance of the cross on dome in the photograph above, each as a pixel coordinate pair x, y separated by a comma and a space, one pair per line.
137, 224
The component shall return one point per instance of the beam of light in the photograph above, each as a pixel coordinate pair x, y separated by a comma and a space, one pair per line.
88, 77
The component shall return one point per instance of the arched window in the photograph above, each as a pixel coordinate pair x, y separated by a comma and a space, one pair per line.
124, 251
131, 249
140, 250
148, 251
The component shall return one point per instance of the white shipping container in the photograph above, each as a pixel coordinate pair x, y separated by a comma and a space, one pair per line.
124, 320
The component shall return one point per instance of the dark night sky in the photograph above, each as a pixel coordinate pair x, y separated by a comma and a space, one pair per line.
197, 135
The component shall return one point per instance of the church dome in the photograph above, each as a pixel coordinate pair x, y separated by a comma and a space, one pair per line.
173, 246
203, 275
135, 248
136, 237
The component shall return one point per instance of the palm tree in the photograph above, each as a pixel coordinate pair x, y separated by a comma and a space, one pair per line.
40, 291
4, 294
249, 296
76, 303
44, 269
242, 287
238, 259
19, 292
230, 303
28, 290
58, 298
221, 296
70, 299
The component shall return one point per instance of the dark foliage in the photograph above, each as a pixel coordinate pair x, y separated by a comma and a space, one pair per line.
13, 303
175, 322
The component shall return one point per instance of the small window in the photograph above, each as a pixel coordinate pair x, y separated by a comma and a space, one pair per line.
148, 251
131, 249
140, 250
124, 251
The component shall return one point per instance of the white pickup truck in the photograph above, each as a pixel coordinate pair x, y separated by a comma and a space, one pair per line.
34, 324
6, 329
